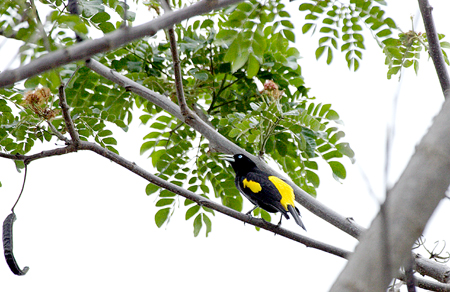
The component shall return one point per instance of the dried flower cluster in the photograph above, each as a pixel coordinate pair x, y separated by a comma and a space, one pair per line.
37, 101
271, 89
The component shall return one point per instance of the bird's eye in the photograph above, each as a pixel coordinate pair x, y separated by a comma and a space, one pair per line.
239, 156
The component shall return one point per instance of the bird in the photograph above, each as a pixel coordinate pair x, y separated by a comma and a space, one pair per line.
263, 190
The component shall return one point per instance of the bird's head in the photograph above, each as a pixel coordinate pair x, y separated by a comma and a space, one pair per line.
240, 162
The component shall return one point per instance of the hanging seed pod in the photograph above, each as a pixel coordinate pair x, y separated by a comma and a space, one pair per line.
8, 246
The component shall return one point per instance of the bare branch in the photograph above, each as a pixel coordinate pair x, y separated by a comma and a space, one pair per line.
202, 201
177, 72
57, 133
432, 269
86, 49
66, 115
427, 284
43, 154
176, 65
434, 46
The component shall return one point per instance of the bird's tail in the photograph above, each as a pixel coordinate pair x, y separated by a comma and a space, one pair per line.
296, 214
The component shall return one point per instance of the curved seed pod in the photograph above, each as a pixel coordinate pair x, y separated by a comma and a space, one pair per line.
8, 246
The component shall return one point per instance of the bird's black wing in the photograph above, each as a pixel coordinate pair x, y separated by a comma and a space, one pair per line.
267, 196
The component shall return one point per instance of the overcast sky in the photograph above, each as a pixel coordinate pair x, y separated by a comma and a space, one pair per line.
85, 224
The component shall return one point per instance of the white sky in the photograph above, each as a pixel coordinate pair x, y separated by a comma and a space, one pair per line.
85, 224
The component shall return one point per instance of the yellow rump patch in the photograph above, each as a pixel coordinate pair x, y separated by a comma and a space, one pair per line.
286, 191
252, 185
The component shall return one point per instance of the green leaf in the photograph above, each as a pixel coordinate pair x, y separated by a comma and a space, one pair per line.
240, 61
192, 211
338, 169
164, 202
332, 115
234, 132
151, 188
345, 149
106, 27
232, 51
265, 215
306, 27
19, 165
289, 35
445, 45
161, 216
252, 67
281, 147
110, 141
384, 33
319, 52
207, 222
89, 8
313, 178
197, 224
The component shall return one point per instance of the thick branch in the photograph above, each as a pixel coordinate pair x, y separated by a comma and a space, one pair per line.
432, 269
407, 209
113, 40
434, 46
427, 284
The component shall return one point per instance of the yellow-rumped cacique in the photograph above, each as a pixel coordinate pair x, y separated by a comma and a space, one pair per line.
262, 189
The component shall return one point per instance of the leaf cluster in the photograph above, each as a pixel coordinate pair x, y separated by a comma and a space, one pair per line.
341, 25
404, 51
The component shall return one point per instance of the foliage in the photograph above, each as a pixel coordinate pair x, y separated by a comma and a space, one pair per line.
241, 71
342, 26
404, 51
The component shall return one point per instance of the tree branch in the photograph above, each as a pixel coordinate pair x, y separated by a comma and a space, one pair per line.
88, 48
226, 146
408, 207
202, 201
66, 115
434, 46
177, 70
222, 144
176, 65
47, 153
426, 284
432, 269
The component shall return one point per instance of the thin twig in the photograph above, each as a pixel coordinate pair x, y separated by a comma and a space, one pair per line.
23, 186
47, 153
176, 65
434, 46
66, 115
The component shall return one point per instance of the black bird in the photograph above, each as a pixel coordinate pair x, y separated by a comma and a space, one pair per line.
264, 190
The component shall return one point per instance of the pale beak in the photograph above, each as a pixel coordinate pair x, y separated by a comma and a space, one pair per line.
227, 157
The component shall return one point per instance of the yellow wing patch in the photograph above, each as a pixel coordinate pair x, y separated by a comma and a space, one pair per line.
286, 191
252, 185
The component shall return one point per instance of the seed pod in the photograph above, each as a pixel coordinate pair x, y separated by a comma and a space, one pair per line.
8, 246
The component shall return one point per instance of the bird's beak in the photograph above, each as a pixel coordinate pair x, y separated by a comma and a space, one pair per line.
227, 157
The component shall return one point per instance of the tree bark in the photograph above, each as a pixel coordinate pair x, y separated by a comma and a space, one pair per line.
386, 246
